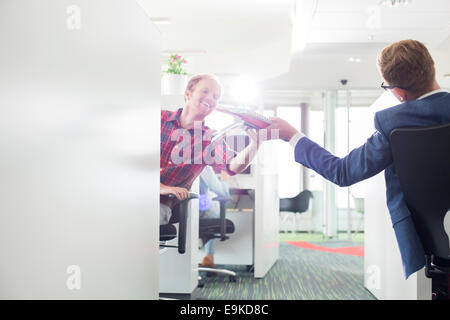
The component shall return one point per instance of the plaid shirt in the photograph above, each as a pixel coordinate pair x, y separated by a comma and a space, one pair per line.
183, 155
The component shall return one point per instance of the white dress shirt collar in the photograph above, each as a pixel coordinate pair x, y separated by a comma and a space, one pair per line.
431, 93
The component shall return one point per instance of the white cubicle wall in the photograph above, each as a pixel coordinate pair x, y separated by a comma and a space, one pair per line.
179, 272
79, 137
383, 272
266, 219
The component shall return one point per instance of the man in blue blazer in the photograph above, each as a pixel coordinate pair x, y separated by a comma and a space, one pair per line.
408, 71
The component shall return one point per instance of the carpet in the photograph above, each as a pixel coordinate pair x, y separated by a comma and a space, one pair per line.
353, 251
299, 274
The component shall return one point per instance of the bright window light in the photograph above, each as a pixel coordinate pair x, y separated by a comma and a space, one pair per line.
244, 89
218, 120
386, 100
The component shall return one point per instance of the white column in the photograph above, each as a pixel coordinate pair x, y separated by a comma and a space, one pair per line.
329, 188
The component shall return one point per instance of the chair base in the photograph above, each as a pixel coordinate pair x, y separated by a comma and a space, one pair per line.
231, 274
177, 296
440, 287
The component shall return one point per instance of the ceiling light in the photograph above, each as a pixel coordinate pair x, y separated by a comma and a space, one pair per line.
184, 52
395, 3
161, 20
244, 89
356, 60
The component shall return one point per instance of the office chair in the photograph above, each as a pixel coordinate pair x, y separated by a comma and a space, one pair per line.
168, 231
297, 204
217, 229
422, 162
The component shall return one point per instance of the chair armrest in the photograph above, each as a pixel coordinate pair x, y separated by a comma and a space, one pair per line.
221, 199
182, 227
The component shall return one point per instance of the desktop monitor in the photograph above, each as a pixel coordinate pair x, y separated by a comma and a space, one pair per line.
79, 133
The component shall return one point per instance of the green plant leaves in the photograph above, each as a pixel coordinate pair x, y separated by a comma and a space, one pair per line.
175, 64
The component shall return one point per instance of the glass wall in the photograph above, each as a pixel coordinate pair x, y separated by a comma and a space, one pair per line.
353, 125
338, 120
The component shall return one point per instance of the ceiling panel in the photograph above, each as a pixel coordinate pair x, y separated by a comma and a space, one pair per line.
229, 36
255, 37
343, 29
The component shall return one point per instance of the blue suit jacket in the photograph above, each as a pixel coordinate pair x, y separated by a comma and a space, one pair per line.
374, 156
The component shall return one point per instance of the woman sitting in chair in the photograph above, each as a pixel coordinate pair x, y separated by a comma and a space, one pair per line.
210, 187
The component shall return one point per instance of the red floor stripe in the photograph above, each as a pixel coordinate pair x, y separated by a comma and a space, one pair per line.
353, 251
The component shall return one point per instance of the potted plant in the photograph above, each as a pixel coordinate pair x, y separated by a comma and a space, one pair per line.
174, 79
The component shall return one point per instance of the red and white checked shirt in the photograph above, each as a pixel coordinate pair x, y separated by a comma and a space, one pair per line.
175, 141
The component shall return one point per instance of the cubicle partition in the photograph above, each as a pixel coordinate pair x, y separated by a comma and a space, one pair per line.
79, 136
383, 272
179, 272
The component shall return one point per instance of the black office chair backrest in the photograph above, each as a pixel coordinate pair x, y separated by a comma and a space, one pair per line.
300, 203
422, 162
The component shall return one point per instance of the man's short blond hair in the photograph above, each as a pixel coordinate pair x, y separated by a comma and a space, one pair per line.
409, 65
196, 79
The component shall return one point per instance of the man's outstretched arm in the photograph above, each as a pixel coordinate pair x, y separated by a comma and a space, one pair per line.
361, 163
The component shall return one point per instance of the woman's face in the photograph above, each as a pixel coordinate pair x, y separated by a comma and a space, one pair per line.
203, 98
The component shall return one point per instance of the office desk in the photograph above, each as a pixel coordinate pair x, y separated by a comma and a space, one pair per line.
255, 240
238, 249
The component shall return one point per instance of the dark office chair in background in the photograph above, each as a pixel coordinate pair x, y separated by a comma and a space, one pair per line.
297, 204
168, 231
422, 162
217, 229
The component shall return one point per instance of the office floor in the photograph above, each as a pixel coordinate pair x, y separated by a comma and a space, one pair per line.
332, 272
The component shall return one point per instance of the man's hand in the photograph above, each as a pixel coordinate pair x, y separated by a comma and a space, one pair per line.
253, 135
285, 130
180, 193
